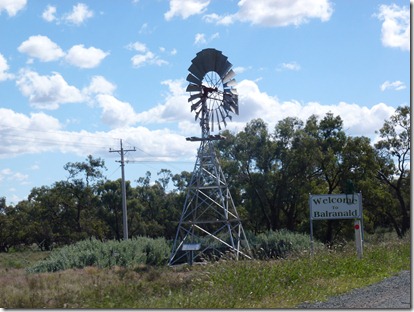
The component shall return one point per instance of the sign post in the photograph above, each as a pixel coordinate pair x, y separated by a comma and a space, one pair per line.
311, 224
358, 238
337, 206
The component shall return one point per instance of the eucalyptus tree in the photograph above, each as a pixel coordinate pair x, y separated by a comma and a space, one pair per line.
91, 168
254, 154
52, 215
394, 156
110, 207
10, 235
81, 187
181, 181
294, 168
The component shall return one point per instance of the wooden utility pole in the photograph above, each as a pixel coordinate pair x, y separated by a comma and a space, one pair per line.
122, 152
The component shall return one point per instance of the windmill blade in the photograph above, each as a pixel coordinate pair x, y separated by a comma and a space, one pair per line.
226, 107
196, 105
229, 75
235, 108
222, 116
193, 79
230, 83
212, 121
207, 59
193, 88
230, 107
230, 96
218, 120
232, 101
234, 91
196, 71
194, 96
223, 67
198, 113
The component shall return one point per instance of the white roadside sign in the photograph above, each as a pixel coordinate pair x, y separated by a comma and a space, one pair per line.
338, 206
335, 206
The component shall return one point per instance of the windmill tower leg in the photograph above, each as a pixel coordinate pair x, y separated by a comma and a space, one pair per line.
209, 225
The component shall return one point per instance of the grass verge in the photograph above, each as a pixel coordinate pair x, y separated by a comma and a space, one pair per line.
225, 284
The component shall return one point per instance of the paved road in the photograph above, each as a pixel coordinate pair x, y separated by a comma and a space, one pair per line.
391, 293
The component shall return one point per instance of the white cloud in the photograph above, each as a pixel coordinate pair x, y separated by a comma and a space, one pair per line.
395, 26
47, 92
79, 14
291, 66
186, 8
85, 57
42, 48
395, 85
144, 56
39, 133
12, 6
34, 167
36, 121
172, 110
49, 13
146, 29
358, 120
10, 176
99, 85
137, 46
161, 144
21, 133
276, 13
240, 69
139, 60
115, 113
200, 38
4, 67
253, 103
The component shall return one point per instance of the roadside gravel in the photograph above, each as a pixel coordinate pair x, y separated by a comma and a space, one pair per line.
391, 293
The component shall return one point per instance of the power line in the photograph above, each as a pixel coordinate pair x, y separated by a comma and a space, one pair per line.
168, 163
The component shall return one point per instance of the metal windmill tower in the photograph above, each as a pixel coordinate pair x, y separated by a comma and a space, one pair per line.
209, 224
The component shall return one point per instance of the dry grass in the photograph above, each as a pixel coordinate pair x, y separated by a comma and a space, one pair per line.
225, 284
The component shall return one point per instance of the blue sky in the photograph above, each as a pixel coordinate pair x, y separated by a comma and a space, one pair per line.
78, 76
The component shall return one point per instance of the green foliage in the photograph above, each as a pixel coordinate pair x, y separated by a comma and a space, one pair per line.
394, 155
92, 252
278, 244
21, 259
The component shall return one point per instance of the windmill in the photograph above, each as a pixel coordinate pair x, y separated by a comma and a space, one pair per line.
209, 225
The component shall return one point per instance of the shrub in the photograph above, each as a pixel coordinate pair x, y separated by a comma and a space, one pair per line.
92, 252
278, 244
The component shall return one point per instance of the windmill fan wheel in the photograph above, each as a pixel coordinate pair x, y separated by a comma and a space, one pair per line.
211, 86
